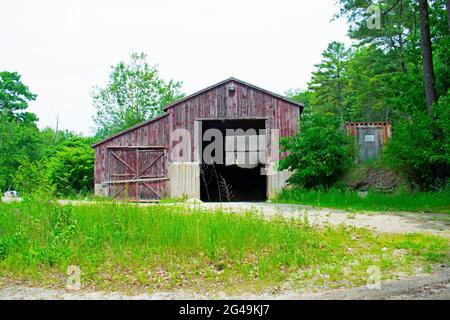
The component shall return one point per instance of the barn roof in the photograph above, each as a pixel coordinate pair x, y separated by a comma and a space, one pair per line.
232, 79
130, 129
174, 104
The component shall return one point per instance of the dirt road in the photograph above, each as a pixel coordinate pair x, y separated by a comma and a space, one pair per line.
378, 221
433, 286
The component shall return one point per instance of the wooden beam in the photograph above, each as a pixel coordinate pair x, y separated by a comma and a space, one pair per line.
138, 147
151, 189
231, 119
118, 192
136, 180
151, 163
122, 161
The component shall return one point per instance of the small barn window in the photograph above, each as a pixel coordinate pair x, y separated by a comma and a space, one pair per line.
231, 89
369, 138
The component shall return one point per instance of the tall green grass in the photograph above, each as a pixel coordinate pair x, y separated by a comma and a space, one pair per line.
119, 246
374, 201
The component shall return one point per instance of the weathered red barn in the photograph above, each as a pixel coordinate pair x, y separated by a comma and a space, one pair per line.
165, 156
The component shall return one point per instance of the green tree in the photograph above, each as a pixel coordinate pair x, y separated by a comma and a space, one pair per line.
302, 96
319, 153
14, 97
18, 142
135, 93
420, 146
377, 89
398, 21
71, 169
32, 178
328, 81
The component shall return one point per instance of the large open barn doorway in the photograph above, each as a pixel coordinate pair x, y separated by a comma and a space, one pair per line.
230, 180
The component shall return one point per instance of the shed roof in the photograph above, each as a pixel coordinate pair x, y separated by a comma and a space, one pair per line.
174, 104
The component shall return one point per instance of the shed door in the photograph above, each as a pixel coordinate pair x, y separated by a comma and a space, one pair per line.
370, 142
137, 173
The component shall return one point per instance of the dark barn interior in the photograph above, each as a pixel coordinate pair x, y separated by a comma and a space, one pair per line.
222, 183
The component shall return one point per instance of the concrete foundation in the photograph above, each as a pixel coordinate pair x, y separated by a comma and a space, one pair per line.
276, 181
101, 189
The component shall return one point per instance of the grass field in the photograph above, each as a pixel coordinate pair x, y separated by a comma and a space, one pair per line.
438, 202
126, 247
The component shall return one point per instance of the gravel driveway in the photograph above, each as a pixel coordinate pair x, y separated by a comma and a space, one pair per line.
378, 221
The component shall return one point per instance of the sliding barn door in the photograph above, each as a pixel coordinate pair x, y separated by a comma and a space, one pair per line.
137, 173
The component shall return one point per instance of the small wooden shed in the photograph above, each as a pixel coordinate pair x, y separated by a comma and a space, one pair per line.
146, 163
370, 137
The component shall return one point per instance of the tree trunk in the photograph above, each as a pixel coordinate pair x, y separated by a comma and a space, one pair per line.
448, 15
430, 90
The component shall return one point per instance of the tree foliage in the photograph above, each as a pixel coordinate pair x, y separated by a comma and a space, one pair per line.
328, 81
319, 154
135, 93
65, 168
32, 178
18, 142
420, 146
14, 98
381, 78
71, 169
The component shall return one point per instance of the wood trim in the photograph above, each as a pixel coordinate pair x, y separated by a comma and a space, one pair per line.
122, 161
150, 164
240, 82
138, 147
152, 190
231, 119
137, 180
118, 192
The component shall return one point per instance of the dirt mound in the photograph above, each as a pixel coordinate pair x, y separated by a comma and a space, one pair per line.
380, 179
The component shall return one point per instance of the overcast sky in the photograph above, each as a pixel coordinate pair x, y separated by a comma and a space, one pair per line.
63, 48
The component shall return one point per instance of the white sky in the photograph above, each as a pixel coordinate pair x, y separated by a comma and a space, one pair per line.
63, 48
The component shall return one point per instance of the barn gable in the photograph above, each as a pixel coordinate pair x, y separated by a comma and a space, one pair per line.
216, 103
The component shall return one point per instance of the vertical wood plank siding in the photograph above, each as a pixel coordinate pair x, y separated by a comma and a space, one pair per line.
245, 103
155, 133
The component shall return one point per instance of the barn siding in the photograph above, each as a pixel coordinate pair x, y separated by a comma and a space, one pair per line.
246, 102
155, 133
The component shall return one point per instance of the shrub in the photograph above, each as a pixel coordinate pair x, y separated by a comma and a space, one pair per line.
72, 169
319, 153
32, 178
420, 147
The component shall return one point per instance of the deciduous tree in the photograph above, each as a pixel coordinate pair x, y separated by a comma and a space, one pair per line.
135, 93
